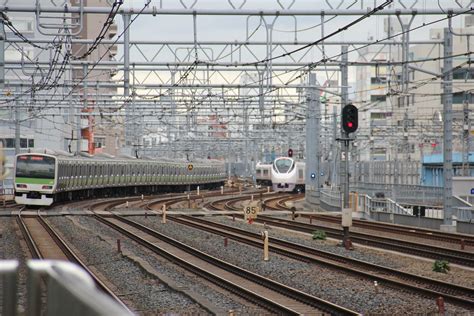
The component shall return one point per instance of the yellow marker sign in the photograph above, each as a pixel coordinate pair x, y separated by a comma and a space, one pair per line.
190, 167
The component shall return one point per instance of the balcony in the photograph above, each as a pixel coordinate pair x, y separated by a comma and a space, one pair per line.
112, 30
112, 51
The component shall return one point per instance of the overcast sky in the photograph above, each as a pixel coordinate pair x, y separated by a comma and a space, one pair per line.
234, 28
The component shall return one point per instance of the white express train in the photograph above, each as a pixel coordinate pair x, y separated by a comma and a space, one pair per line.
285, 174
44, 178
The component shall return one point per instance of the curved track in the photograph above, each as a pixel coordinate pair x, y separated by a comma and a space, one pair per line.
275, 297
460, 257
405, 281
428, 234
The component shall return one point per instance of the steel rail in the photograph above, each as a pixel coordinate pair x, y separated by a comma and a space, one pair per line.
468, 240
287, 291
464, 258
70, 254
431, 287
418, 249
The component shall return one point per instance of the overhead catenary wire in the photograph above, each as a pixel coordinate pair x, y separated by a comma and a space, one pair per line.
188, 74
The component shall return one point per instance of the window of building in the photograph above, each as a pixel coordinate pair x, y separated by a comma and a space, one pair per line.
378, 80
31, 143
379, 115
376, 97
379, 151
99, 142
460, 97
463, 73
23, 143
409, 122
10, 143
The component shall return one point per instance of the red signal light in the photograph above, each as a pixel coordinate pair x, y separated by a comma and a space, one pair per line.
349, 124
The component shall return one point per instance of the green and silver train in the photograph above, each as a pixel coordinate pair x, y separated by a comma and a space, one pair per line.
45, 178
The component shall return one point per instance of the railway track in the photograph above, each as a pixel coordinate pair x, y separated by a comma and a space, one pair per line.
462, 240
45, 243
460, 257
273, 296
432, 288
455, 239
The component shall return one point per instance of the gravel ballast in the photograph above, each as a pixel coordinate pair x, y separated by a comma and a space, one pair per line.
340, 288
133, 275
11, 249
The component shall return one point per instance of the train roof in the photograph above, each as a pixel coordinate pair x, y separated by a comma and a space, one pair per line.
106, 157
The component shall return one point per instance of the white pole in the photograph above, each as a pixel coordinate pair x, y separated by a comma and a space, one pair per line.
265, 245
163, 219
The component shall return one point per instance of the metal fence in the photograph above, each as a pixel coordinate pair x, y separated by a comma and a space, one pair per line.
403, 193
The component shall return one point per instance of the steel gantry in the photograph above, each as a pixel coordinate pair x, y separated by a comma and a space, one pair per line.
230, 81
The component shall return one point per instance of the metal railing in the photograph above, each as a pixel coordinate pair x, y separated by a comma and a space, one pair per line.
69, 290
464, 214
367, 204
331, 197
404, 193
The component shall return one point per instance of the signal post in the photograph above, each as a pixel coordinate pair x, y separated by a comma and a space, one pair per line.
349, 124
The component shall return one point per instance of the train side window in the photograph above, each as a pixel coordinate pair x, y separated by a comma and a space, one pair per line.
265, 172
259, 172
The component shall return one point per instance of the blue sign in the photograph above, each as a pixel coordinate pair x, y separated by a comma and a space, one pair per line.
313, 175
472, 191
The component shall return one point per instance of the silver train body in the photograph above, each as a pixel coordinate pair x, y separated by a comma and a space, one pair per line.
42, 179
284, 175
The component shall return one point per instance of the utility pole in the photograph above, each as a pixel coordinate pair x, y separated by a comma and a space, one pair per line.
448, 131
465, 140
17, 120
126, 80
2, 53
345, 145
312, 144
335, 169
84, 106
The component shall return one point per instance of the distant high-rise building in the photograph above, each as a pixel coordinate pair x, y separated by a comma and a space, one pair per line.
102, 133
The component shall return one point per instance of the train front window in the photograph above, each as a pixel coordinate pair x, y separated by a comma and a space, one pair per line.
283, 165
35, 167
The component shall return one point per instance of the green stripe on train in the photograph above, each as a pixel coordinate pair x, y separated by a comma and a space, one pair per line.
34, 181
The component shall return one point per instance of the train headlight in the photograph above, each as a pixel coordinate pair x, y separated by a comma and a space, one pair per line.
47, 187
